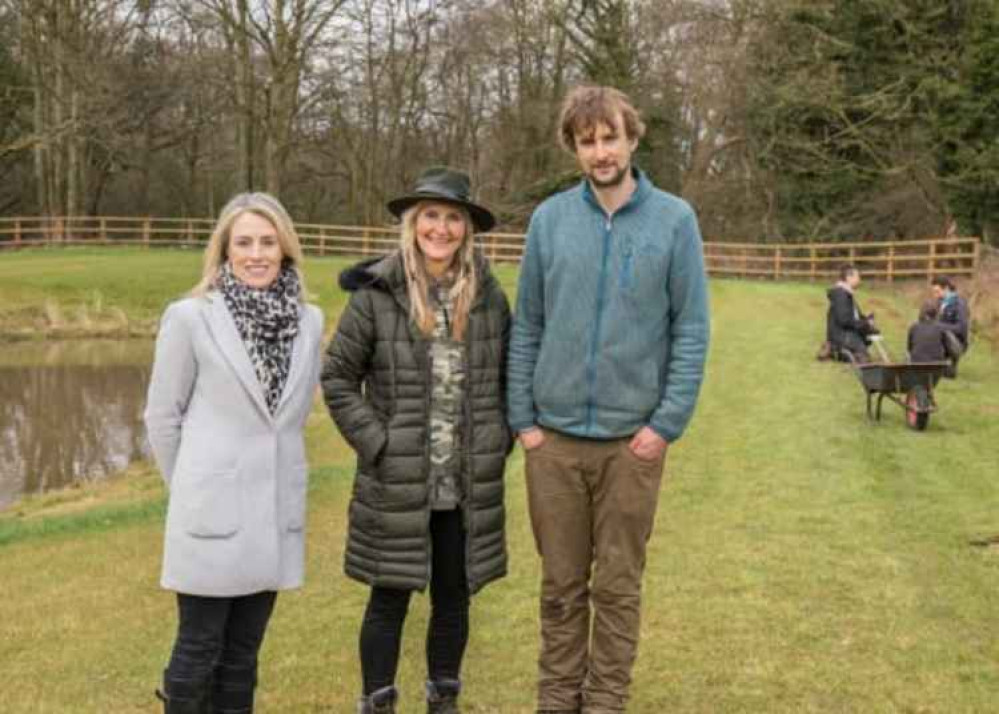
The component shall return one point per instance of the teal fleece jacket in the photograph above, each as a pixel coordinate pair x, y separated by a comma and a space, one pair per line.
611, 327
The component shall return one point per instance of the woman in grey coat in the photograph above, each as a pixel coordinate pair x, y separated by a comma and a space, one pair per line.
414, 379
236, 367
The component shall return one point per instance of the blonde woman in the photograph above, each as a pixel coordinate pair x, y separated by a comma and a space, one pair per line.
414, 380
236, 366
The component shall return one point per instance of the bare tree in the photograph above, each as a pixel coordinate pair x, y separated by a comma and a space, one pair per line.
69, 46
285, 34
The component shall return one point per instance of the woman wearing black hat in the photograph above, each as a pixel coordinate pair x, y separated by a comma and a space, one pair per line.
414, 379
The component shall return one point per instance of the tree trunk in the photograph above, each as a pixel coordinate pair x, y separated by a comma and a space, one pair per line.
73, 156
56, 174
272, 141
245, 99
41, 192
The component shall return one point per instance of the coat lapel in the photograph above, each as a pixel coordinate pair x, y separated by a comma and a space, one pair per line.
298, 360
231, 345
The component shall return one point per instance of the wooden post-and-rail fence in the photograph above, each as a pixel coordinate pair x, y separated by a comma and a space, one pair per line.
881, 260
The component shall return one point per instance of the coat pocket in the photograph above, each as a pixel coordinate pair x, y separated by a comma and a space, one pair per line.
212, 508
294, 503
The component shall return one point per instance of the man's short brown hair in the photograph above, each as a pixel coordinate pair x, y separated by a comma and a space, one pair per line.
587, 106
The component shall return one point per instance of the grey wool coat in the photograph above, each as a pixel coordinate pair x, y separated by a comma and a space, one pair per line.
377, 383
236, 475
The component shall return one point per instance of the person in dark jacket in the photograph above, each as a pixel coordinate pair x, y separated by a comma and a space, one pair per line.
927, 341
954, 314
848, 330
414, 379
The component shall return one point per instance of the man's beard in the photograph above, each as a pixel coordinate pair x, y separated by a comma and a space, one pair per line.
616, 180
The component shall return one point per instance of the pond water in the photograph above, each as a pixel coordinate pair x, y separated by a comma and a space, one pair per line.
70, 411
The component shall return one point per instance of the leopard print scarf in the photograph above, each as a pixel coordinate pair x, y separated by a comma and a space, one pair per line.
267, 320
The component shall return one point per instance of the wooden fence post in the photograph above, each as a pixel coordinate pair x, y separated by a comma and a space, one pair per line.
190, 231
777, 263
17, 231
811, 264
146, 230
322, 241
60, 230
976, 255
932, 263
104, 230
891, 263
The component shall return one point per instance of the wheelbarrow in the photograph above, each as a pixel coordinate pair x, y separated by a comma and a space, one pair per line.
909, 385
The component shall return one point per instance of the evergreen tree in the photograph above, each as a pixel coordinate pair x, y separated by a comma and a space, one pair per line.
845, 112
968, 127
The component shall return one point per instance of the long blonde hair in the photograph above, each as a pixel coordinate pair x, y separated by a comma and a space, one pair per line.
265, 206
418, 280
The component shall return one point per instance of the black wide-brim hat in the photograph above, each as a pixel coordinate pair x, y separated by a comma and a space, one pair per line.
446, 185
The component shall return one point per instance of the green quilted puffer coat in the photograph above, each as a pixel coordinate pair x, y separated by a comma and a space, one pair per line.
376, 381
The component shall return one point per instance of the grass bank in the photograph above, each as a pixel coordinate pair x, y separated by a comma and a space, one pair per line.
93, 292
804, 560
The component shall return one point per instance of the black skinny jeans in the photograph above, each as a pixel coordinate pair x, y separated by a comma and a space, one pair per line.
218, 639
447, 632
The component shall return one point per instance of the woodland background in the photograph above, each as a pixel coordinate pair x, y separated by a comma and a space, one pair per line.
779, 120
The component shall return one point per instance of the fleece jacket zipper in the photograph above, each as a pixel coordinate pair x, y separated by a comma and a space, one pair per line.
591, 367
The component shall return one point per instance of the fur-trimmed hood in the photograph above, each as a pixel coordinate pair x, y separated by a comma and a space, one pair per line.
388, 273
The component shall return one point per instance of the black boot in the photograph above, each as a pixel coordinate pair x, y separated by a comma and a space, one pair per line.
442, 696
378, 702
233, 689
184, 696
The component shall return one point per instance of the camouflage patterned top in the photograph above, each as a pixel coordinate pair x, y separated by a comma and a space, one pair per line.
447, 358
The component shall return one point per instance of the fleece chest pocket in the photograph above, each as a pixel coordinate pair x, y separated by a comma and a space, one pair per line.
213, 504
642, 265
295, 498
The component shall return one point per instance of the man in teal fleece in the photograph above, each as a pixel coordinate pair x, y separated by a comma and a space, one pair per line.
606, 361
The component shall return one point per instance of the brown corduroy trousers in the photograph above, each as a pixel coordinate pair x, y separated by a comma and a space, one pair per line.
592, 506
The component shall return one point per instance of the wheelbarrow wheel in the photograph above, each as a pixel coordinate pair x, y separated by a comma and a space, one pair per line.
917, 403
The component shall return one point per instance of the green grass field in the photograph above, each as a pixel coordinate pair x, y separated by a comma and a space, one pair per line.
804, 560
